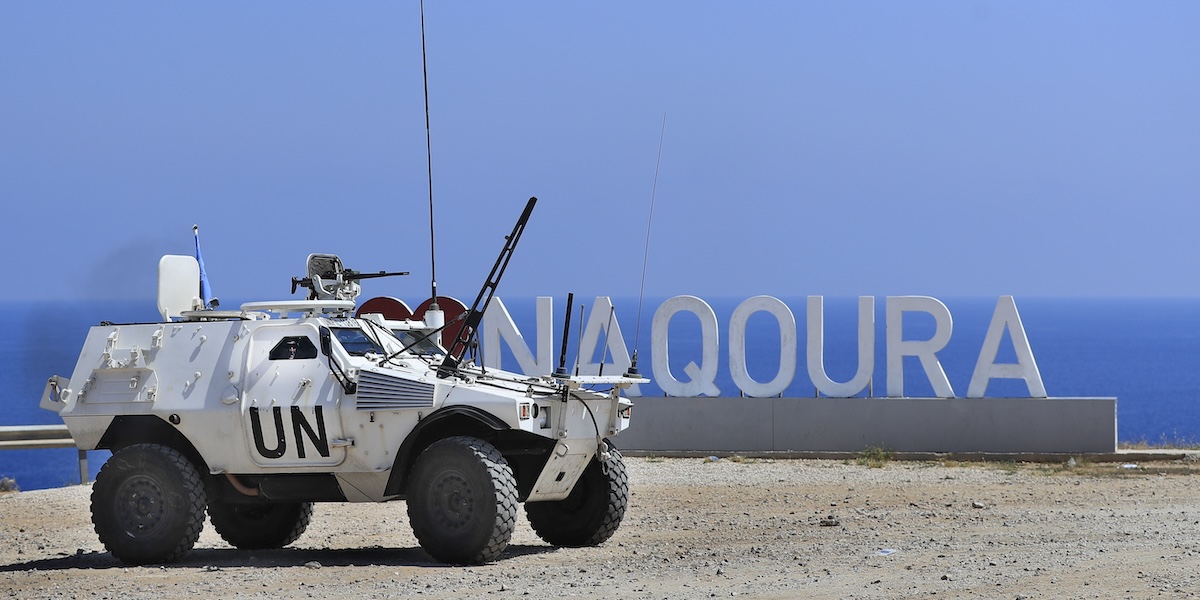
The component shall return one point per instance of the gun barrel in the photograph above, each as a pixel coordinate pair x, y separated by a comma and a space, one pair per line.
352, 276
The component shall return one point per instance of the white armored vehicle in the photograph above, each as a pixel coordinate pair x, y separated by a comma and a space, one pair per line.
255, 414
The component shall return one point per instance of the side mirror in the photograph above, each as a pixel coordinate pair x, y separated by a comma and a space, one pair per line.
326, 341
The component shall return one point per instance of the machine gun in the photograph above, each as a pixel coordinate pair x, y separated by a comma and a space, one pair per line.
328, 279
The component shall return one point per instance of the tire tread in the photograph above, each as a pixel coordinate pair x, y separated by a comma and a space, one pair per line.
194, 504
240, 535
505, 487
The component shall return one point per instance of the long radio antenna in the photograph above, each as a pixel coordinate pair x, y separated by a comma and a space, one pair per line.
429, 168
637, 337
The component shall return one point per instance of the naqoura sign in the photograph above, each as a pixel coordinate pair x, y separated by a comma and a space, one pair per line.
602, 331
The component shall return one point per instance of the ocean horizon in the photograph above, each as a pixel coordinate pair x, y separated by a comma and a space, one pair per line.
1139, 350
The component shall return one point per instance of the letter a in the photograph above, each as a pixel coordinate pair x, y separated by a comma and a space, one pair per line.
987, 369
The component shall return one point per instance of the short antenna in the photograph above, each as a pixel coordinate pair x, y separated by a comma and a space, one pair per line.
637, 336
561, 371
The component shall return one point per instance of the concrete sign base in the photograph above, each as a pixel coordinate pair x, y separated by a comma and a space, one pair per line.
991, 425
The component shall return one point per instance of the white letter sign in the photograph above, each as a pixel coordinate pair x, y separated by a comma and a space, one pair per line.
816, 349
604, 318
498, 324
925, 350
602, 349
987, 369
702, 377
787, 346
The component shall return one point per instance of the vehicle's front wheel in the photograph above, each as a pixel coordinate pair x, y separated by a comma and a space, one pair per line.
260, 525
148, 504
593, 511
462, 501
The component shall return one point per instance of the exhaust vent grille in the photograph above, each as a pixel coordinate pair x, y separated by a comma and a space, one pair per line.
377, 391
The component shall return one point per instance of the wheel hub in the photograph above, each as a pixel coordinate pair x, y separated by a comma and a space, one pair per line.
141, 508
453, 503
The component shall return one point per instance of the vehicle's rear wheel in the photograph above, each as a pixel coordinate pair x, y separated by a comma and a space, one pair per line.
593, 511
260, 525
462, 501
148, 504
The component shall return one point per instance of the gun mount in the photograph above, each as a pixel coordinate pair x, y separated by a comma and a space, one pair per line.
328, 279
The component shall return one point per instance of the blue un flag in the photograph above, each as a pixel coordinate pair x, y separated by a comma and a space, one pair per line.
205, 289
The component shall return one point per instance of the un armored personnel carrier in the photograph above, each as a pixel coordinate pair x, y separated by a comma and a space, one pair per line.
254, 414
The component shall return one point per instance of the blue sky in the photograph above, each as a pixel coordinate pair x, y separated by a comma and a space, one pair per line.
939, 148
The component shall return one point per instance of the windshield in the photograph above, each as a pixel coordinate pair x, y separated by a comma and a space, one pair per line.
356, 341
418, 346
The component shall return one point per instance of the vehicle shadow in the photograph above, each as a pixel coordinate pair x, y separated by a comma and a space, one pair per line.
215, 559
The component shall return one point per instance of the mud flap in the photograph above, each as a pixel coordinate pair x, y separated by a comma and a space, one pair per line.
561, 471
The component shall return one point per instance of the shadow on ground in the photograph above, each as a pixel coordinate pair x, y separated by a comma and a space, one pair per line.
212, 559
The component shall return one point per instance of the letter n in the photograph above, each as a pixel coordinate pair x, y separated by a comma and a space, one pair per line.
318, 437
256, 427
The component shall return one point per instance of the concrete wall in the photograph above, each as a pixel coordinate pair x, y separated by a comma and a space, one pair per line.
993, 425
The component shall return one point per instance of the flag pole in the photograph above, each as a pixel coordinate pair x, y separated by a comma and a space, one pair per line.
206, 295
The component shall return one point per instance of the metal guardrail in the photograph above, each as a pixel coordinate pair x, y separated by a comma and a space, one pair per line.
34, 437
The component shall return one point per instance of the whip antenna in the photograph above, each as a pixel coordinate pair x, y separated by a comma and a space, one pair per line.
561, 371
637, 337
429, 168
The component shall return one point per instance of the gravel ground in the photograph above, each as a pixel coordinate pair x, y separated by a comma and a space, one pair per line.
700, 529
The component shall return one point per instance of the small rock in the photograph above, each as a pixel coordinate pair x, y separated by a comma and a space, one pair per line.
830, 521
312, 564
976, 504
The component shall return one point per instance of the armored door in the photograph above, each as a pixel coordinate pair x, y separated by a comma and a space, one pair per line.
290, 408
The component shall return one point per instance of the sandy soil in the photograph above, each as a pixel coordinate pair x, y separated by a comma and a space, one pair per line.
700, 529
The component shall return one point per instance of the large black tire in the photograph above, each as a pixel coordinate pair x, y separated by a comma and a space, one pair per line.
260, 525
462, 501
593, 511
148, 504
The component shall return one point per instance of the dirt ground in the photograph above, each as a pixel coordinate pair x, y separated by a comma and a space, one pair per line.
696, 528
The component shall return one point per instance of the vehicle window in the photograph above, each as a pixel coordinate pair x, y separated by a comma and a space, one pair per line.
296, 347
356, 342
410, 338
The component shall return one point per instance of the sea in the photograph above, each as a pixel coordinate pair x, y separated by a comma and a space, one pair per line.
1143, 351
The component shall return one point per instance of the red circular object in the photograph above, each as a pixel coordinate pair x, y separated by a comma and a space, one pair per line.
391, 308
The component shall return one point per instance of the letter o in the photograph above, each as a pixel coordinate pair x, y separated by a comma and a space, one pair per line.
787, 346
